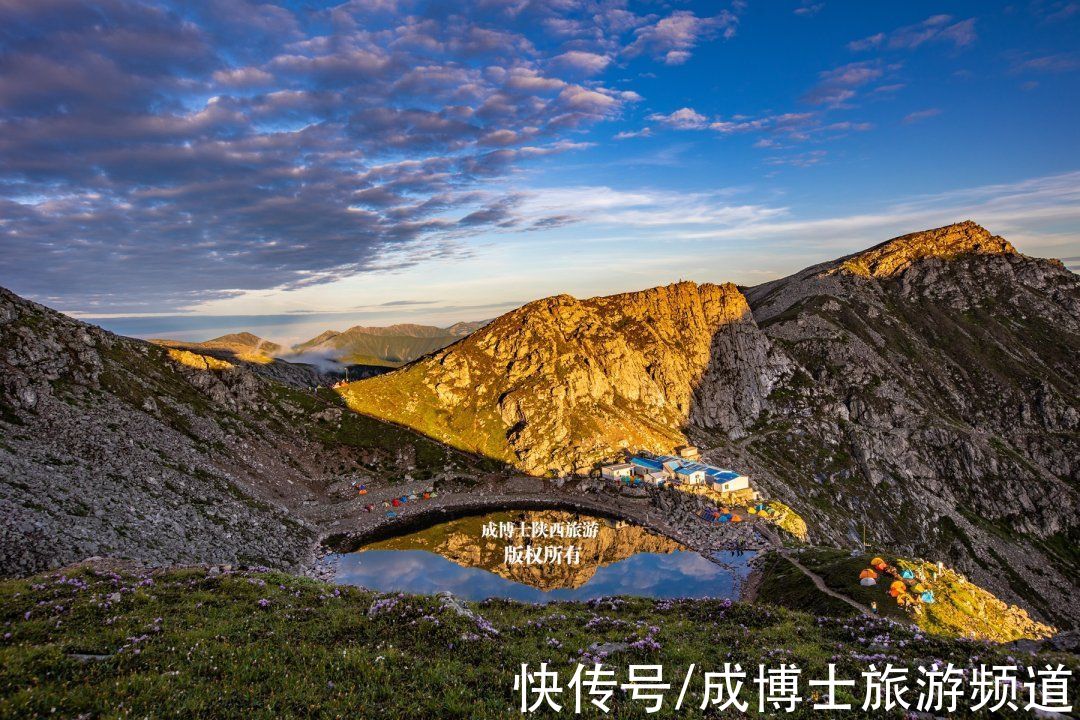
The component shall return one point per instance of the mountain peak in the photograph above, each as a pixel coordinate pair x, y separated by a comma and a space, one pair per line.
894, 256
561, 384
241, 338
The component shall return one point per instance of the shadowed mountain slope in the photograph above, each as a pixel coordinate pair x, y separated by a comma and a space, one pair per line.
561, 384
924, 391
119, 447
935, 405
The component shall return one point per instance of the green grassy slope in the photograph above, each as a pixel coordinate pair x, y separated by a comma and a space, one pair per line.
961, 608
101, 641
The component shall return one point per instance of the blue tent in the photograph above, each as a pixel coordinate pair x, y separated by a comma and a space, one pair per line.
391, 514
907, 575
927, 597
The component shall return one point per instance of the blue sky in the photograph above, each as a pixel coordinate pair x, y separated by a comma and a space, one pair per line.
195, 168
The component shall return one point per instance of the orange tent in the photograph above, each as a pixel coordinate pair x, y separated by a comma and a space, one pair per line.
893, 592
736, 518
868, 573
898, 586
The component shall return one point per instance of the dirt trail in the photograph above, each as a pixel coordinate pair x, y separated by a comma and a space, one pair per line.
820, 584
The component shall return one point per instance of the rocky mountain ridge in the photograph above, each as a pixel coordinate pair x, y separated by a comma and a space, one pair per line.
561, 384
391, 345
924, 391
119, 447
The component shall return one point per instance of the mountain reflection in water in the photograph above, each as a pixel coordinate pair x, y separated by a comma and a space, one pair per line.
622, 559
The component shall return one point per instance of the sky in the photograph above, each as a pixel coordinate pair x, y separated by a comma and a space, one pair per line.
194, 168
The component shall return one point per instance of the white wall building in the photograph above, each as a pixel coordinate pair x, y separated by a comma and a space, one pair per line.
618, 471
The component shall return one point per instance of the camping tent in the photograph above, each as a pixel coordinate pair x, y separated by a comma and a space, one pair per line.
868, 582
907, 575
868, 573
898, 585
927, 597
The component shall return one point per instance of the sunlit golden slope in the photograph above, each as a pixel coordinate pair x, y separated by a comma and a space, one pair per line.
561, 384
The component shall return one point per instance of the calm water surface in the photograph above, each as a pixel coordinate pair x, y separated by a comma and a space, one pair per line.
621, 559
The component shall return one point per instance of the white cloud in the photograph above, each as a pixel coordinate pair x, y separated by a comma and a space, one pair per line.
585, 63
683, 119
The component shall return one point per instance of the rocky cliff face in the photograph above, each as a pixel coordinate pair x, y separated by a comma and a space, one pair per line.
561, 384
924, 391
936, 403
112, 446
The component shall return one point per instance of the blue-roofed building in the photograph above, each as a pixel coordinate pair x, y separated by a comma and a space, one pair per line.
727, 480
650, 470
676, 470
691, 473
643, 464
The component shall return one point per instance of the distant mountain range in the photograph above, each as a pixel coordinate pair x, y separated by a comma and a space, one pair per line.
389, 346
242, 345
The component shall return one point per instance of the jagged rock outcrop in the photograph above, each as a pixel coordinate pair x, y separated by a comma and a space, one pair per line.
561, 384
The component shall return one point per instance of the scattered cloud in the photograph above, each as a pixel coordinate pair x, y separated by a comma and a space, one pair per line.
776, 130
809, 8
799, 160
935, 29
1053, 63
236, 146
837, 87
1057, 11
673, 38
628, 134
920, 115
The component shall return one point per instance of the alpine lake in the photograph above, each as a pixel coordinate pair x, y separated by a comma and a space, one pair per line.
540, 556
